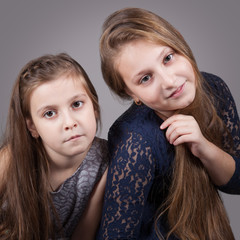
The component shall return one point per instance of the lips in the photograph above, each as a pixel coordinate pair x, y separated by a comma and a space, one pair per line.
73, 137
178, 91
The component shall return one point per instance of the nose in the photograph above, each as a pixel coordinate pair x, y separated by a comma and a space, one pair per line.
70, 126
167, 79
69, 122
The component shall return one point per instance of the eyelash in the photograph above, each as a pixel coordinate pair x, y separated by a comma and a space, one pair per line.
167, 59
142, 79
50, 111
54, 111
81, 103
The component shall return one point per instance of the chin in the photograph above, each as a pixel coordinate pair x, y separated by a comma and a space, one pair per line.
185, 105
189, 101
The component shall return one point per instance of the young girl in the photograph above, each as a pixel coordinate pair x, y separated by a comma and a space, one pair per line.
51, 163
162, 183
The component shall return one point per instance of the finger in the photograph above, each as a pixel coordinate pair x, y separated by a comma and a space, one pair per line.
178, 127
173, 119
177, 133
182, 139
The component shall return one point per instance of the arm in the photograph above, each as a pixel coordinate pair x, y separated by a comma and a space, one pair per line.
89, 222
228, 112
129, 180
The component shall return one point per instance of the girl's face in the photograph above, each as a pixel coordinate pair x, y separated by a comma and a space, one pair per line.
63, 116
157, 76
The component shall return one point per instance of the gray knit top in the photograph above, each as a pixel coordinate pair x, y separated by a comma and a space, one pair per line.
72, 196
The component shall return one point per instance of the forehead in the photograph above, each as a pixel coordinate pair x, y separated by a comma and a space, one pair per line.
137, 55
138, 48
61, 82
58, 88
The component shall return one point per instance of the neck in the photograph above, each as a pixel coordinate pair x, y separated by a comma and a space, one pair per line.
63, 169
164, 115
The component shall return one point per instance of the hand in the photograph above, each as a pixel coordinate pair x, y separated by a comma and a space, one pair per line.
185, 129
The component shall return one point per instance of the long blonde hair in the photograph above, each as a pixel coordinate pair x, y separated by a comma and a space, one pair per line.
25, 201
194, 208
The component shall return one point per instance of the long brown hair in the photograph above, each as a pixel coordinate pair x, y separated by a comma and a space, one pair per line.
25, 202
194, 208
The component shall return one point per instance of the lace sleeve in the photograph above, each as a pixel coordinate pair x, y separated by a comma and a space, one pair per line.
130, 177
228, 112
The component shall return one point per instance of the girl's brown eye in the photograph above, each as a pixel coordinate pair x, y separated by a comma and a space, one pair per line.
49, 114
77, 104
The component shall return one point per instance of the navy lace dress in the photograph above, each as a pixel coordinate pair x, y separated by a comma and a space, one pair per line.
140, 169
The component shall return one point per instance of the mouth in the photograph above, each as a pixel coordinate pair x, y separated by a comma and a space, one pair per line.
177, 92
72, 138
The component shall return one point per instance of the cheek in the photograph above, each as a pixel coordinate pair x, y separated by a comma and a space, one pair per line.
152, 97
46, 132
91, 128
189, 69
91, 120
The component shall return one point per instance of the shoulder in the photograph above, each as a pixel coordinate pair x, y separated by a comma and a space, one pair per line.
98, 154
221, 95
100, 144
218, 88
211, 78
137, 128
139, 119
216, 83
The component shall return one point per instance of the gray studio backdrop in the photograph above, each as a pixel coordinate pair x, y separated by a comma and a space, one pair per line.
29, 29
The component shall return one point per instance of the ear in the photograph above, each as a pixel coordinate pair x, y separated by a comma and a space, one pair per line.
130, 93
31, 127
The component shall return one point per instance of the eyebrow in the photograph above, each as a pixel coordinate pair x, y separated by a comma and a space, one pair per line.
44, 108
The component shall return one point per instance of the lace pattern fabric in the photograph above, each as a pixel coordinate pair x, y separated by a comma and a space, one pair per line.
140, 169
227, 110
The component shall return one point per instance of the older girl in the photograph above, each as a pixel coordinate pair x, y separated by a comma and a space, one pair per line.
163, 183
50, 161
